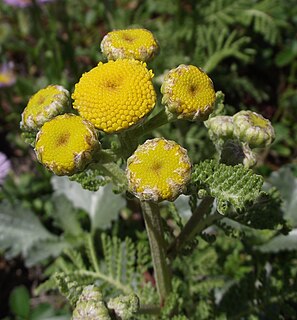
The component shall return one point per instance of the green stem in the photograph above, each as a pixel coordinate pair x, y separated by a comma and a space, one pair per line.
155, 232
129, 142
108, 279
195, 225
149, 309
153, 123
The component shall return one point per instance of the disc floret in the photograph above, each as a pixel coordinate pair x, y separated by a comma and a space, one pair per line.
188, 93
158, 170
43, 106
139, 44
115, 95
66, 144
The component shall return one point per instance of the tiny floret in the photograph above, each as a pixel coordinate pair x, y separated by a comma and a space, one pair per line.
43, 106
253, 128
138, 44
158, 170
115, 95
66, 143
188, 93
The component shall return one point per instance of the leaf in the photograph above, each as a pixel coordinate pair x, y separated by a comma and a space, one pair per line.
234, 185
45, 249
20, 230
102, 206
280, 243
19, 301
286, 183
65, 216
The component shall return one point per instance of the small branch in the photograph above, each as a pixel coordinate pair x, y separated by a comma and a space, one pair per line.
195, 225
153, 123
149, 309
155, 232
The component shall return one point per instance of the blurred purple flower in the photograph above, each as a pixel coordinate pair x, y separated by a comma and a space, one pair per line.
7, 76
5, 166
24, 3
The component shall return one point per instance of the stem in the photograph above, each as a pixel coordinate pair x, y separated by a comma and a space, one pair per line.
149, 309
155, 232
129, 142
153, 123
195, 225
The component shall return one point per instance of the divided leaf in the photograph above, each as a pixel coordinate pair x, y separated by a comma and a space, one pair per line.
233, 185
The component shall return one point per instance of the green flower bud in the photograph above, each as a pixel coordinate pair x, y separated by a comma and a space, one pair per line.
124, 306
43, 106
220, 126
90, 306
253, 128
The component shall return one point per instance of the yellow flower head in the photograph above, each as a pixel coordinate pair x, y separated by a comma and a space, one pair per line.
43, 106
138, 44
66, 143
188, 93
253, 128
158, 170
115, 95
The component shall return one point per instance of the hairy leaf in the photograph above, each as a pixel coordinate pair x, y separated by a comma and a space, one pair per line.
20, 230
233, 185
102, 206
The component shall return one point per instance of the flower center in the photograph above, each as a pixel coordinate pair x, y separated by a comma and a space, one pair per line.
156, 167
257, 121
63, 139
127, 37
192, 89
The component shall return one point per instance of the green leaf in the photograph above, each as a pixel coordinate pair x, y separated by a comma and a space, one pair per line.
233, 185
286, 183
280, 243
20, 230
19, 301
102, 206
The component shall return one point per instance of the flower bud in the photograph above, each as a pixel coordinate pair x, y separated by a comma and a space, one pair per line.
138, 44
90, 306
188, 93
124, 306
66, 144
253, 128
43, 106
220, 126
158, 170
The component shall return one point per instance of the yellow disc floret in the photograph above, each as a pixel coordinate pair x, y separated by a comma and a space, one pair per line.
188, 93
115, 95
66, 143
158, 170
138, 44
43, 106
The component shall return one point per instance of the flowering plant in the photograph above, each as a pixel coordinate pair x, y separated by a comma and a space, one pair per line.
104, 142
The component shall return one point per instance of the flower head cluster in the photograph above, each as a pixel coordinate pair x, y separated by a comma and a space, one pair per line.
43, 106
66, 144
138, 44
235, 137
188, 93
158, 170
115, 95
7, 76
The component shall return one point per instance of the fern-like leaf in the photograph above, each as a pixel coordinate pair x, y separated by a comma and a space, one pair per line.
233, 185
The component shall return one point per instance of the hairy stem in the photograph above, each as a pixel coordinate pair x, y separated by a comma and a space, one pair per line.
129, 142
153, 123
155, 232
195, 225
